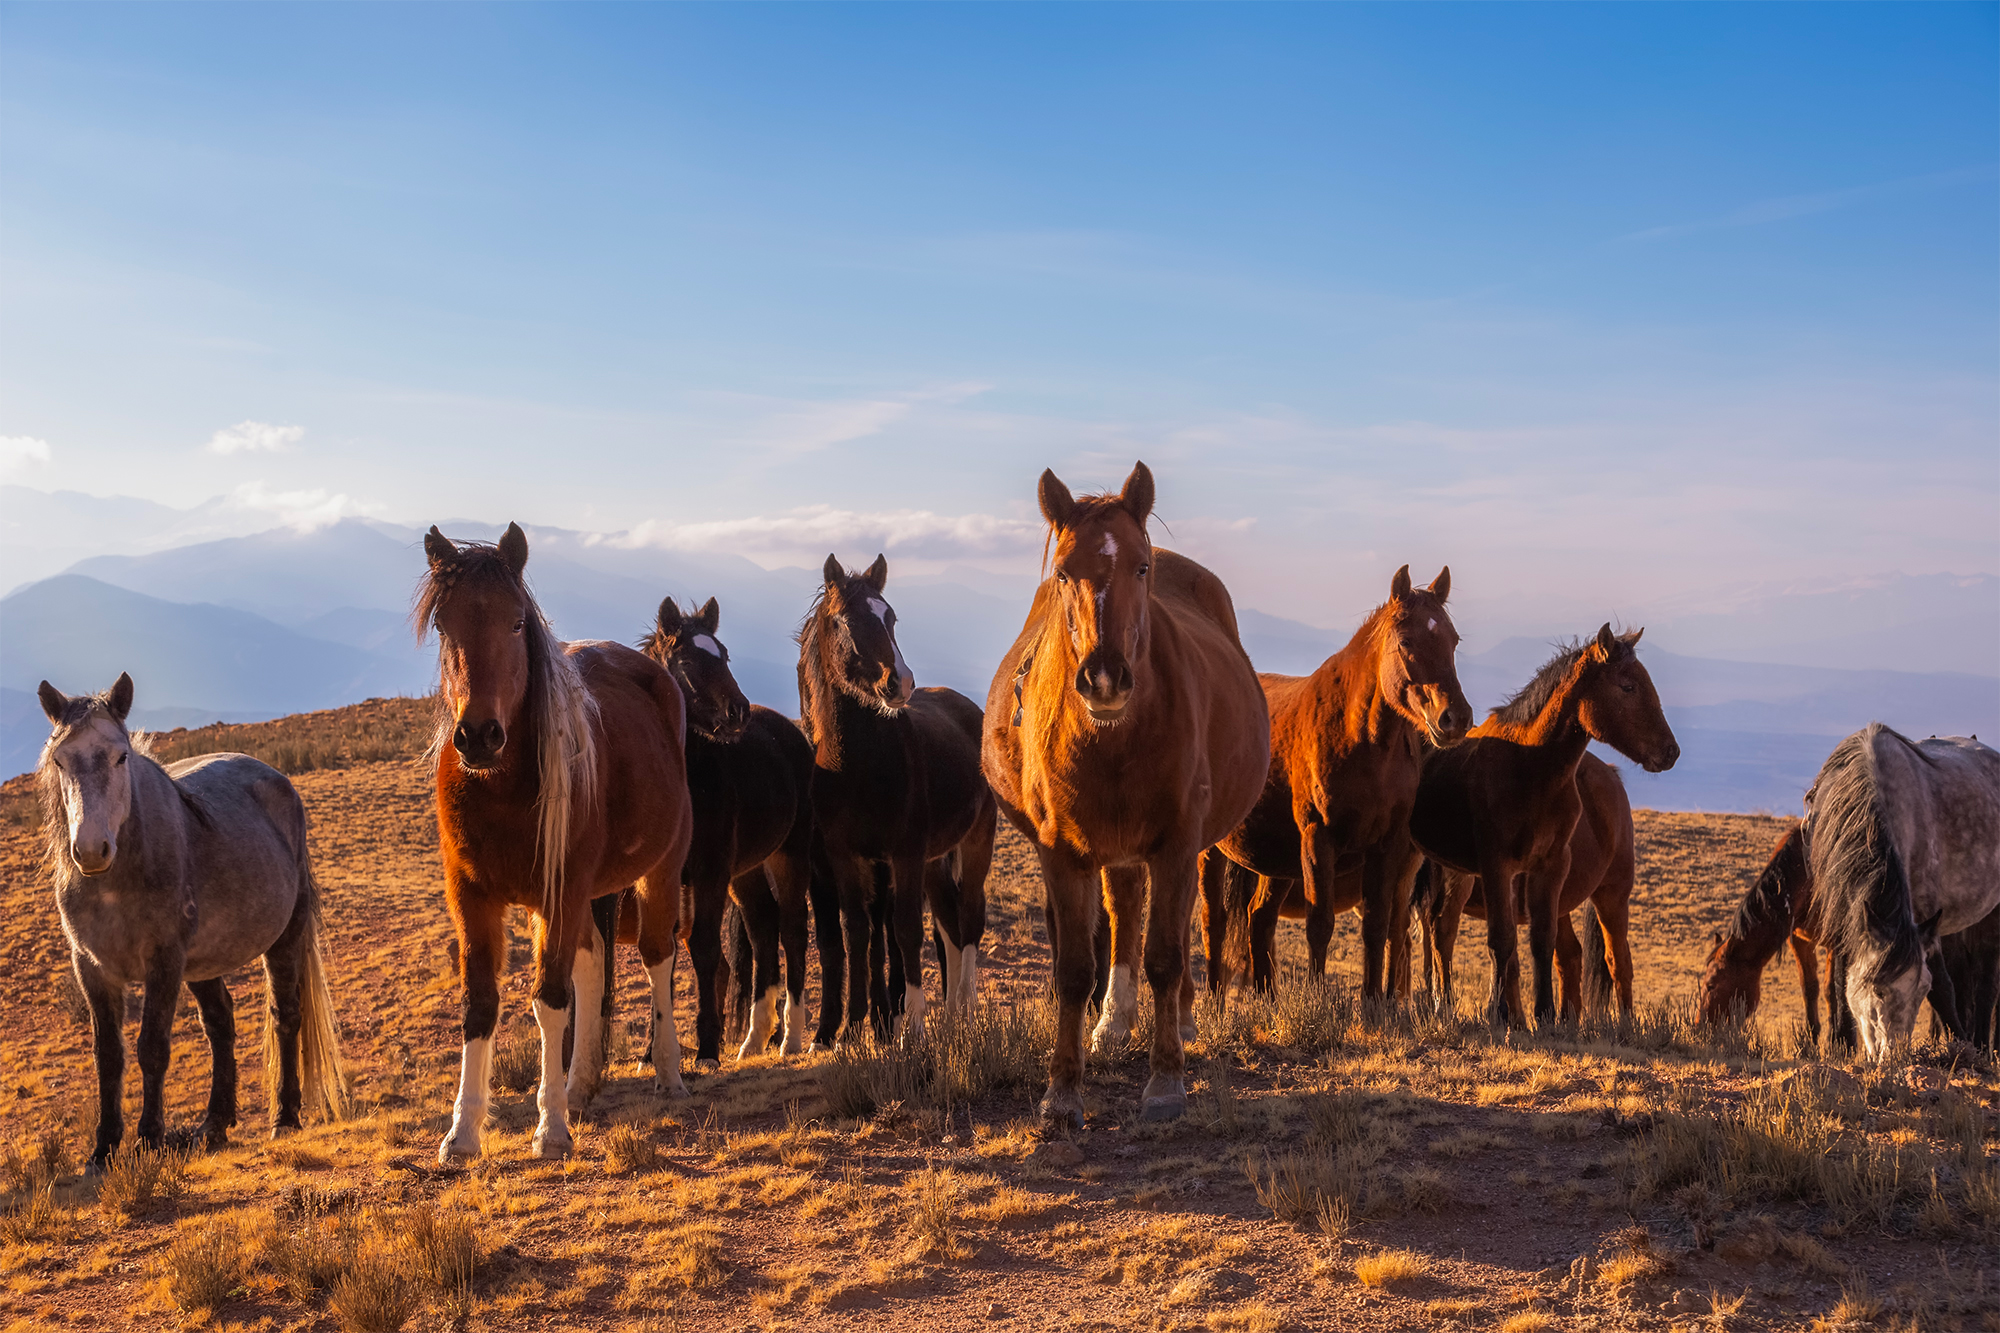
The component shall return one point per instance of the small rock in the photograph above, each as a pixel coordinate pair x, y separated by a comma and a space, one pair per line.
1058, 1154
994, 1311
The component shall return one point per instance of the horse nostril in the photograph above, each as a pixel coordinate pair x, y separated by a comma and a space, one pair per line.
1125, 678
1083, 681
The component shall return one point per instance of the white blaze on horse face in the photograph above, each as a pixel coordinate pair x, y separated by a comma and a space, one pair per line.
1109, 548
708, 645
96, 770
1431, 625
475, 1090
906, 679
666, 1041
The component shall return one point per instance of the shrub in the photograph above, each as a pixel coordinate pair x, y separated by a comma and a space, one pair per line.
137, 1177
203, 1265
1386, 1268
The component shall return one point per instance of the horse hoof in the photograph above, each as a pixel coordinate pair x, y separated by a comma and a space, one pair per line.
453, 1154
1189, 1033
675, 1088
1062, 1110
550, 1149
708, 1064
283, 1131
1164, 1108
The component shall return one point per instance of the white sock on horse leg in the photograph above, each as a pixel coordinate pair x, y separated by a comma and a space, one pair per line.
666, 1040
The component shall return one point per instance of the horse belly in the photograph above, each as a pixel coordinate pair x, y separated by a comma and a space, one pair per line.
240, 913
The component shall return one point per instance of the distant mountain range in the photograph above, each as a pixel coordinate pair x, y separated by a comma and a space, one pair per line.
256, 625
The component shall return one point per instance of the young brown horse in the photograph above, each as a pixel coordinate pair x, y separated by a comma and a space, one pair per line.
1773, 913
1504, 802
1125, 733
749, 773
895, 784
1347, 747
561, 776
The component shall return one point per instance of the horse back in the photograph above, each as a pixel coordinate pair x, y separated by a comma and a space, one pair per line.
246, 847
1941, 800
1183, 583
641, 736
748, 795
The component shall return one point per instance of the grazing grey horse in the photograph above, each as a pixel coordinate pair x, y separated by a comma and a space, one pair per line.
1903, 845
182, 873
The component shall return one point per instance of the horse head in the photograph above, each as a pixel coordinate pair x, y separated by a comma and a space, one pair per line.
1418, 670
1730, 986
869, 664
86, 769
1103, 561
477, 601
687, 647
1620, 707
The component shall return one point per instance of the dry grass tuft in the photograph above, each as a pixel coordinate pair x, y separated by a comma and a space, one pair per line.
1387, 1268
310, 1256
628, 1152
203, 1265
934, 1214
1528, 1321
443, 1252
138, 1178
375, 1294
35, 1218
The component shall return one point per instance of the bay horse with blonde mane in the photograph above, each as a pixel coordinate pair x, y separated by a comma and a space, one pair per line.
1125, 733
1775, 911
1503, 804
897, 796
1347, 748
561, 777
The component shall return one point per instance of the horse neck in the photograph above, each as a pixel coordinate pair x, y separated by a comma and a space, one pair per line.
1349, 684
1762, 924
1558, 728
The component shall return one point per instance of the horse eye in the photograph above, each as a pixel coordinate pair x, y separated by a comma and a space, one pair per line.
1061, 577
1143, 570
519, 625
121, 760
1627, 686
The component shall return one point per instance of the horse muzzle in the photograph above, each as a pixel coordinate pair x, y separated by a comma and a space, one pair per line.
1106, 688
479, 743
93, 858
1665, 758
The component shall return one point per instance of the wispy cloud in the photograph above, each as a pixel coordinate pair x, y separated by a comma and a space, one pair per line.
255, 437
1786, 207
791, 427
821, 528
305, 510
20, 454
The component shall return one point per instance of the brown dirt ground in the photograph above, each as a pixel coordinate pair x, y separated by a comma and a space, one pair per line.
812, 1216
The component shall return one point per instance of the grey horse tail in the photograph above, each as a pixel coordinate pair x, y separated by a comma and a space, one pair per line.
1597, 983
323, 1084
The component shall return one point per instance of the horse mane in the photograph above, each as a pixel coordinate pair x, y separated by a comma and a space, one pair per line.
83, 708
1861, 891
1527, 703
816, 692
561, 708
1766, 910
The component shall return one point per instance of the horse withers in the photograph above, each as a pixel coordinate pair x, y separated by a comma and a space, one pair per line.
1125, 733
1903, 849
178, 874
561, 777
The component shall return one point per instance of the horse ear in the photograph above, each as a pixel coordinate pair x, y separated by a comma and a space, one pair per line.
1632, 640
832, 572
710, 617
438, 548
120, 700
1057, 503
878, 573
1441, 585
54, 702
514, 549
1607, 642
1399, 586
1137, 493
670, 617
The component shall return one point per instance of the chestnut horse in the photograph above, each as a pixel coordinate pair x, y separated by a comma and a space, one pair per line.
1772, 914
561, 777
1125, 733
1347, 747
1504, 803
896, 785
749, 775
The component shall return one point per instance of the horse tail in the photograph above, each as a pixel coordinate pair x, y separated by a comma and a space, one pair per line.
741, 963
1240, 888
323, 1084
1597, 982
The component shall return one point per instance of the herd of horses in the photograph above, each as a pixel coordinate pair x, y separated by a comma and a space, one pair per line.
634, 795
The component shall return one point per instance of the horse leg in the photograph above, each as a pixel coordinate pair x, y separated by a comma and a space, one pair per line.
1614, 920
1125, 900
855, 883
1317, 858
659, 895
710, 885
218, 1021
1503, 1003
557, 946
107, 1033
885, 963
787, 876
758, 910
482, 944
1401, 862
1453, 890
941, 892
975, 862
156, 1033
1569, 968
586, 1016
1807, 958
1544, 886
1215, 918
1072, 899
907, 903
1266, 906
829, 928
1174, 883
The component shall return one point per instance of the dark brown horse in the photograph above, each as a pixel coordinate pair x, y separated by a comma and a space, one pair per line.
1503, 804
749, 774
561, 776
1125, 733
1774, 912
1347, 748
896, 785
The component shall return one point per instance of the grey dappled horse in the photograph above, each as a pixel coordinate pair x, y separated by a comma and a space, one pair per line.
1903, 845
183, 873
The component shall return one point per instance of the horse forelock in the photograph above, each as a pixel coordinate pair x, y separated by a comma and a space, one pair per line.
1099, 508
1861, 892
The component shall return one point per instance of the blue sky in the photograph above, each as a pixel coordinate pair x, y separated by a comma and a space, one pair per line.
1601, 305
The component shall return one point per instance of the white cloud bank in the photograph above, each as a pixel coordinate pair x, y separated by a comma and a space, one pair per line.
822, 528
255, 437
21, 453
305, 510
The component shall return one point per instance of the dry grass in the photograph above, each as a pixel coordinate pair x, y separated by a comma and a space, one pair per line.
138, 1179
202, 1266
375, 1292
337, 738
1387, 1268
1528, 1321
628, 1152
